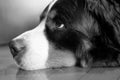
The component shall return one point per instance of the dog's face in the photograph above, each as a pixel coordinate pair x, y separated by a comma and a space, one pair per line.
51, 43
67, 33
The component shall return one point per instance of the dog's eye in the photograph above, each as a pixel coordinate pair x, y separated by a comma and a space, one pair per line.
61, 26
55, 24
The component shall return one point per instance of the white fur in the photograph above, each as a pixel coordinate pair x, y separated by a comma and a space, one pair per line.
37, 46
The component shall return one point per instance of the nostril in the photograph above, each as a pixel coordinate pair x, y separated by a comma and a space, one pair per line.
16, 47
13, 49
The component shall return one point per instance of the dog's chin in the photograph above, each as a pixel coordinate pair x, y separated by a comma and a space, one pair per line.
29, 62
24, 65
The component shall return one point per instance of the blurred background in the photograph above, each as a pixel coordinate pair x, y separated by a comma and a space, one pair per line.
17, 16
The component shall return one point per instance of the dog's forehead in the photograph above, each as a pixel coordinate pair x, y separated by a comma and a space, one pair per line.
69, 7
46, 11
70, 10
51, 4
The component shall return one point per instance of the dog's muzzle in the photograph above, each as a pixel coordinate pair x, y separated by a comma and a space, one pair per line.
31, 49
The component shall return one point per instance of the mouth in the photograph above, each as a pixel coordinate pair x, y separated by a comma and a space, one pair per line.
17, 55
19, 60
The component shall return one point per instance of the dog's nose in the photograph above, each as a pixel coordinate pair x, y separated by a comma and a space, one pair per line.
16, 46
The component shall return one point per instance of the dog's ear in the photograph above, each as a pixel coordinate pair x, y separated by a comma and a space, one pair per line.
107, 13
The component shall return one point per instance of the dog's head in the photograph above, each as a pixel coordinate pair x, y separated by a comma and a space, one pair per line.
68, 29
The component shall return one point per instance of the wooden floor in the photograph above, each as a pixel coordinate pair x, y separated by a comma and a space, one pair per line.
9, 71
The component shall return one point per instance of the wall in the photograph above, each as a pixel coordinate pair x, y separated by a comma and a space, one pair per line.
17, 16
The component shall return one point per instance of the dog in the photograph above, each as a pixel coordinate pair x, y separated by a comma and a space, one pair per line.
84, 33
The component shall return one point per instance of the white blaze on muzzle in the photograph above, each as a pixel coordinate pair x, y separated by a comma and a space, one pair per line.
37, 49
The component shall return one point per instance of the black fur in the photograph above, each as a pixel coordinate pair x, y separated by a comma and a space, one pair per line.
91, 30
